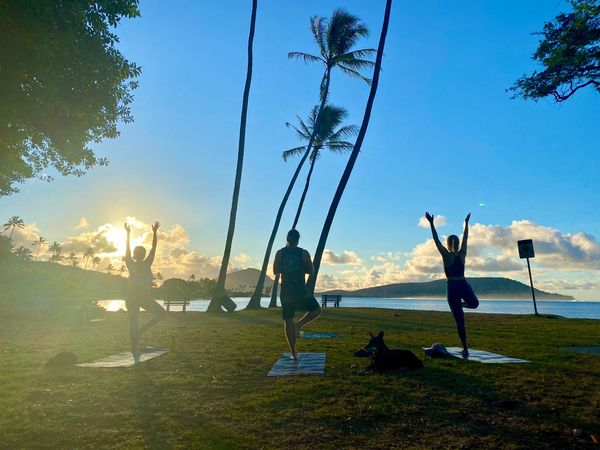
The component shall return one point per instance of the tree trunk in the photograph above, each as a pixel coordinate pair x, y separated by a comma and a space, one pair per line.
254, 302
312, 280
37, 253
220, 298
273, 303
306, 185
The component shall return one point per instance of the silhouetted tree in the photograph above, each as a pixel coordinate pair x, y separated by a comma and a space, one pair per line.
39, 242
63, 83
335, 38
12, 223
109, 268
24, 253
355, 151
220, 298
570, 54
87, 254
73, 259
95, 262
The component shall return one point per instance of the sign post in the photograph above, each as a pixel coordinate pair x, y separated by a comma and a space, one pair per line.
525, 252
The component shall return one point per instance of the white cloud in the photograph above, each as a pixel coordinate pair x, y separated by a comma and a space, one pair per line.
438, 221
347, 257
83, 223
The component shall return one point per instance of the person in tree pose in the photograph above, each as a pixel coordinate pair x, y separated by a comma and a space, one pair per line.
138, 293
460, 293
293, 262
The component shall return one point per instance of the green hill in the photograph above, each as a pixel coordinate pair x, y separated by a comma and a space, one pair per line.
485, 287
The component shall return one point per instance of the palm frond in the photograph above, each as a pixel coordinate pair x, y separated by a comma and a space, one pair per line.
354, 63
318, 28
339, 146
307, 57
293, 152
344, 132
363, 53
315, 154
302, 135
343, 31
354, 73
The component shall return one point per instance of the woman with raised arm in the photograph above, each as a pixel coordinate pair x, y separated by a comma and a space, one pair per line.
140, 282
460, 293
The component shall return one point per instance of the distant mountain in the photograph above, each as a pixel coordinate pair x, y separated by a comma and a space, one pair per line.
245, 281
485, 288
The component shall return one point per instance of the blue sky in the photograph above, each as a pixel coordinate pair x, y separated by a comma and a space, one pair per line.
444, 136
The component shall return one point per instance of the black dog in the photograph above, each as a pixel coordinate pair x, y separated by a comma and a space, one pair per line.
384, 358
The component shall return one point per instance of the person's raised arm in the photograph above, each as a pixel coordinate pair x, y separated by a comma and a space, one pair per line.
463, 246
434, 233
155, 227
277, 263
308, 265
127, 243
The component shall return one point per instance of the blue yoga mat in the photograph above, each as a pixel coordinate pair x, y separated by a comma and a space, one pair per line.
306, 364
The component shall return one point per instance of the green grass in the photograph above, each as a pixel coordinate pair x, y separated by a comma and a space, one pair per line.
212, 390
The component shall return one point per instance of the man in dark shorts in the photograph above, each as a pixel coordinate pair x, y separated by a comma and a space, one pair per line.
460, 293
293, 262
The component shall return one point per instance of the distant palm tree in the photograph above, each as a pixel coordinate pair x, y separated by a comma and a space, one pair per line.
312, 279
95, 261
13, 222
39, 242
109, 268
56, 257
326, 137
335, 38
73, 259
122, 270
24, 253
87, 254
192, 277
219, 298
55, 247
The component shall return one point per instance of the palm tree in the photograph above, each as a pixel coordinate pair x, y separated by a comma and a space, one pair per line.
327, 137
109, 268
87, 254
73, 259
24, 253
13, 222
335, 38
95, 261
122, 270
219, 298
192, 277
55, 247
39, 242
56, 257
355, 151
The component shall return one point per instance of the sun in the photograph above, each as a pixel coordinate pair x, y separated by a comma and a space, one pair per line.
118, 237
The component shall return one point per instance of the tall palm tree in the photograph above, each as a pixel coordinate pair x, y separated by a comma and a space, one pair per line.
73, 259
355, 151
335, 38
24, 253
13, 222
95, 261
39, 242
328, 137
87, 254
220, 298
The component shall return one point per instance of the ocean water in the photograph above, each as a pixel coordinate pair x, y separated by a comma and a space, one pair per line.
571, 309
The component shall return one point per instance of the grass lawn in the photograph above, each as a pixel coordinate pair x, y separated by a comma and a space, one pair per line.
211, 391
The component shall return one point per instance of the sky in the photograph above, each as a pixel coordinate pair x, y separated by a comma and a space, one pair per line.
444, 137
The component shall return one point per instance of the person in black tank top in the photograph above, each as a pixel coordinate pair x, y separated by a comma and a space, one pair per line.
460, 293
293, 263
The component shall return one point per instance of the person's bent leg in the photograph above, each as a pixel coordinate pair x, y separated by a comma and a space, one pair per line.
158, 313
470, 299
311, 305
290, 334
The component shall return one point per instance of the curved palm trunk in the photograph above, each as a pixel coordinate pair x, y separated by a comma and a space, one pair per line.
306, 185
37, 253
254, 302
273, 303
220, 298
352, 160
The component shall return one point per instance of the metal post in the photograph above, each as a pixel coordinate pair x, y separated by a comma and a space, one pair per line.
532, 290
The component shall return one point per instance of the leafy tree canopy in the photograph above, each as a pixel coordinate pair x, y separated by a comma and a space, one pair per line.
570, 54
63, 83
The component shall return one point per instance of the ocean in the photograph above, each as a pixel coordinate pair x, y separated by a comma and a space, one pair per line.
572, 309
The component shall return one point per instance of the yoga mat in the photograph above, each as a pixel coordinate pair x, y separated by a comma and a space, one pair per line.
317, 335
306, 364
126, 359
483, 356
591, 350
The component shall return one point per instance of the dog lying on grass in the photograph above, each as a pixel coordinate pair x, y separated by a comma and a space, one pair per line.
383, 358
